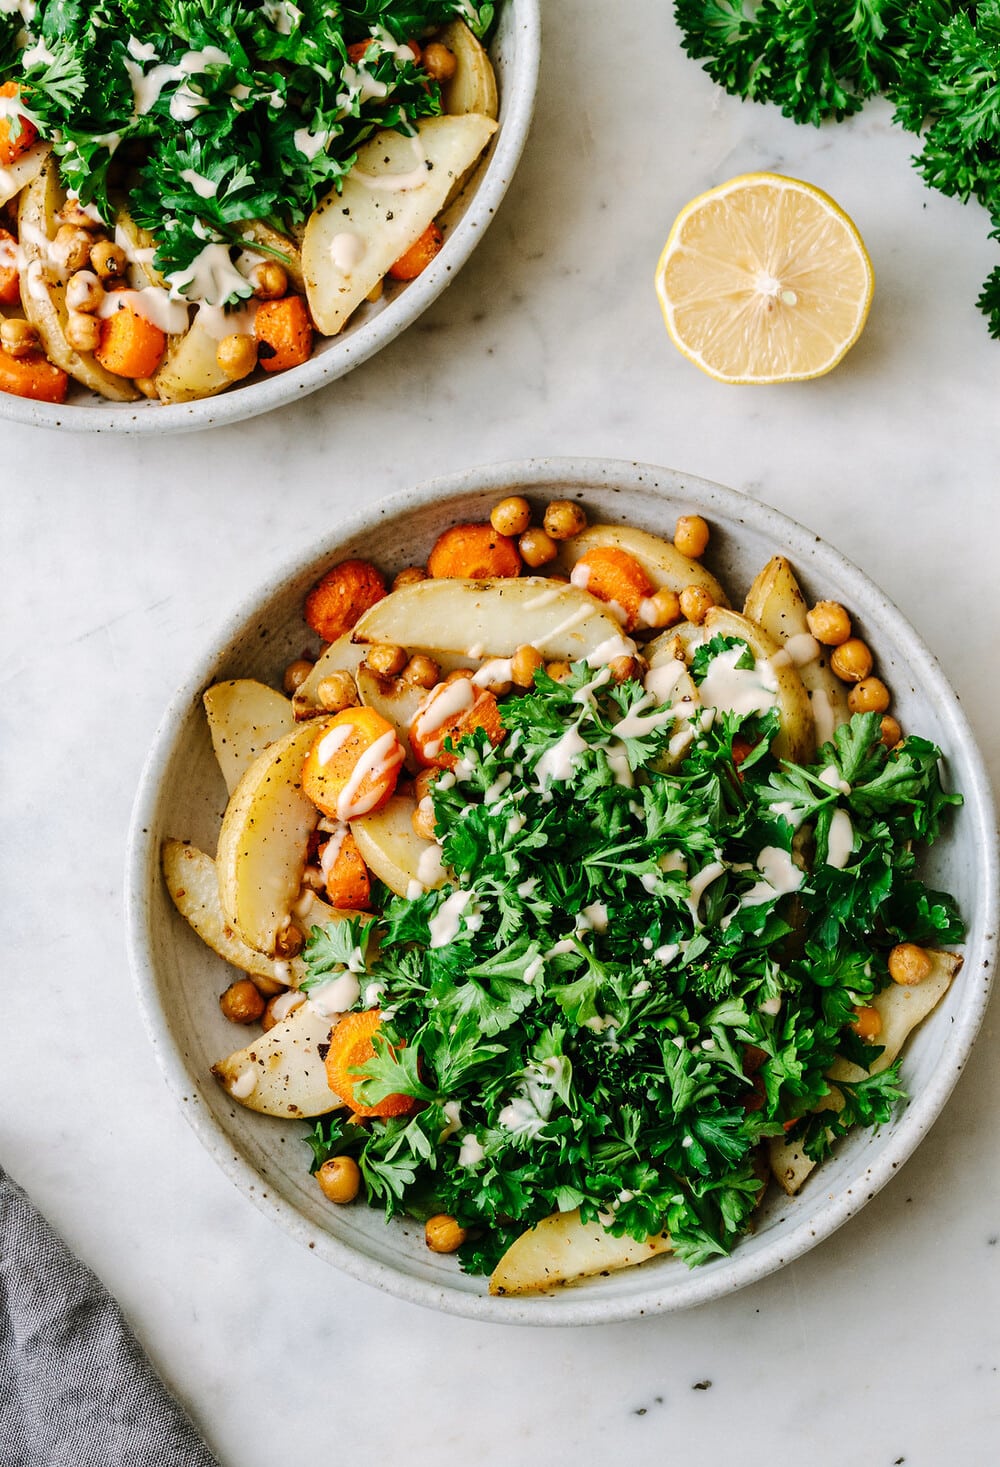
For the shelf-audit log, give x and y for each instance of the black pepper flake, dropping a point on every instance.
(702, 1385)
(322, 1050)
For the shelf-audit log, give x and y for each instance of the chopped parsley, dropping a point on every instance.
(936, 61)
(625, 1007)
(203, 115)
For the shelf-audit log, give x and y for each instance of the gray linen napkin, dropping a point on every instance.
(76, 1389)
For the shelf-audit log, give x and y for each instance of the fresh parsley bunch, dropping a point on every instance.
(608, 1007)
(207, 114)
(936, 60)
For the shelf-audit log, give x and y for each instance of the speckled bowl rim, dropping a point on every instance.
(821, 1217)
(356, 346)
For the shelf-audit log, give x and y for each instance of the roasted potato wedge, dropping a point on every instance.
(263, 841)
(17, 175)
(281, 1073)
(193, 883)
(473, 88)
(44, 298)
(244, 716)
(397, 701)
(561, 1248)
(397, 187)
(484, 619)
(901, 1009)
(392, 849)
(664, 565)
(190, 368)
(343, 655)
(275, 246)
(776, 603)
(797, 737)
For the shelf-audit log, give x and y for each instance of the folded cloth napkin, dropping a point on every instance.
(76, 1389)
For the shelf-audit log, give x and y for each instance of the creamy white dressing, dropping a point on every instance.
(310, 144)
(780, 876)
(662, 681)
(333, 848)
(533, 969)
(621, 770)
(699, 884)
(840, 841)
(332, 742)
(593, 918)
(205, 188)
(547, 597)
(471, 1152)
(584, 696)
(575, 619)
(498, 672)
(392, 183)
(667, 952)
(414, 889)
(152, 303)
(609, 650)
(497, 788)
(770, 1006)
(376, 763)
(211, 276)
(430, 866)
(831, 777)
(556, 764)
(336, 995)
(728, 688)
(823, 715)
(286, 1003)
(452, 1118)
(347, 250)
(447, 920)
(282, 15)
(446, 702)
(639, 721)
(244, 1085)
(217, 322)
(802, 648)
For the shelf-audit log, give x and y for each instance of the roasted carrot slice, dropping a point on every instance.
(347, 881)
(353, 765)
(419, 255)
(11, 148)
(345, 592)
(284, 333)
(130, 345)
(350, 1047)
(10, 278)
(614, 576)
(476, 552)
(32, 376)
(451, 711)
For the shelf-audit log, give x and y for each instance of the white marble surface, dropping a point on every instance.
(121, 557)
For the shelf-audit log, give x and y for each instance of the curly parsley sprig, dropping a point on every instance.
(582, 1034)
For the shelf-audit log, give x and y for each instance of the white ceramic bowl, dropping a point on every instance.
(514, 50)
(182, 795)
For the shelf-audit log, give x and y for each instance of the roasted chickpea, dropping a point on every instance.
(524, 664)
(108, 259)
(460, 675)
(236, 355)
(440, 64)
(289, 942)
(84, 292)
(339, 1179)
(623, 668)
(870, 695)
(695, 604)
(18, 338)
(424, 783)
(691, 536)
(423, 671)
(563, 519)
(511, 516)
(73, 212)
(423, 819)
(70, 249)
(851, 661)
(386, 659)
(269, 281)
(336, 692)
(295, 674)
(443, 1234)
(867, 1022)
(537, 548)
(242, 1003)
(909, 963)
(661, 609)
(558, 671)
(829, 623)
(83, 332)
(891, 731)
(411, 576)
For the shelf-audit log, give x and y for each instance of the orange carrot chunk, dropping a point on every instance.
(347, 881)
(12, 147)
(419, 255)
(130, 345)
(614, 576)
(352, 767)
(345, 592)
(32, 376)
(351, 1048)
(284, 332)
(475, 552)
(451, 711)
(10, 279)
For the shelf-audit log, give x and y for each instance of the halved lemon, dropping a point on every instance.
(764, 279)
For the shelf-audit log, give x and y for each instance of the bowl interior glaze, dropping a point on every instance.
(182, 795)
